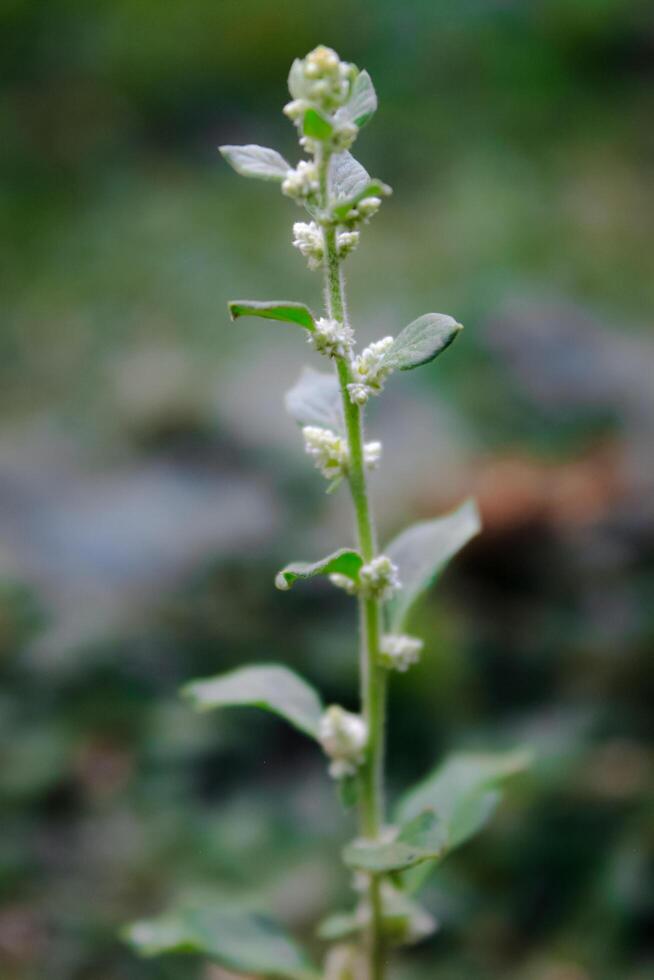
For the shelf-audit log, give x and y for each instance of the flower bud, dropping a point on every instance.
(331, 337)
(343, 736)
(301, 183)
(369, 371)
(308, 239)
(398, 651)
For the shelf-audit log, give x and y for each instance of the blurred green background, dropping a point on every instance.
(151, 484)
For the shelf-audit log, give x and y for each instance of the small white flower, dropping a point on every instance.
(372, 454)
(326, 79)
(328, 450)
(346, 242)
(343, 736)
(344, 136)
(295, 109)
(302, 182)
(308, 239)
(369, 371)
(369, 206)
(379, 579)
(331, 337)
(398, 651)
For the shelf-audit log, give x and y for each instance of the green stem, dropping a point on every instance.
(373, 677)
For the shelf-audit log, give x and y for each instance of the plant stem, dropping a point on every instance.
(373, 677)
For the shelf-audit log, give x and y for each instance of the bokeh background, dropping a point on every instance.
(150, 483)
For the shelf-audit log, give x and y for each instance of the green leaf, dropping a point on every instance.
(268, 686)
(422, 341)
(316, 126)
(256, 161)
(373, 188)
(288, 312)
(349, 789)
(462, 792)
(362, 104)
(346, 176)
(422, 551)
(234, 938)
(315, 399)
(346, 561)
(421, 839)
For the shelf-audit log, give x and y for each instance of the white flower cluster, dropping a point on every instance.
(343, 736)
(364, 210)
(379, 579)
(398, 651)
(308, 239)
(331, 454)
(301, 183)
(331, 337)
(321, 79)
(369, 371)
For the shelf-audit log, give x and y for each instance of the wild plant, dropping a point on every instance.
(389, 860)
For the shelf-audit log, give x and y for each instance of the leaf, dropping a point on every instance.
(422, 551)
(268, 686)
(346, 176)
(315, 399)
(296, 79)
(422, 341)
(234, 938)
(339, 925)
(462, 792)
(346, 561)
(421, 839)
(256, 161)
(362, 104)
(316, 126)
(373, 188)
(288, 312)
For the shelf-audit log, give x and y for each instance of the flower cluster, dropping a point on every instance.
(301, 183)
(320, 80)
(398, 651)
(343, 736)
(379, 579)
(369, 371)
(308, 239)
(331, 337)
(331, 454)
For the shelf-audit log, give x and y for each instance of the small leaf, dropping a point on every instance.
(234, 938)
(316, 126)
(344, 562)
(349, 788)
(421, 341)
(296, 81)
(346, 176)
(268, 686)
(373, 188)
(422, 839)
(288, 312)
(315, 399)
(362, 104)
(339, 925)
(462, 792)
(422, 551)
(256, 161)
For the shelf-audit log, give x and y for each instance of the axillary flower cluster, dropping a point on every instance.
(331, 100)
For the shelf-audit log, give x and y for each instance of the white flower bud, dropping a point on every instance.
(302, 182)
(343, 736)
(346, 242)
(344, 136)
(331, 337)
(295, 109)
(369, 206)
(398, 651)
(344, 962)
(329, 451)
(379, 579)
(369, 371)
(372, 454)
(326, 80)
(308, 239)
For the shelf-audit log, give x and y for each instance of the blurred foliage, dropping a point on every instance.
(150, 485)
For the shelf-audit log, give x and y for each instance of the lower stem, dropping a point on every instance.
(373, 677)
